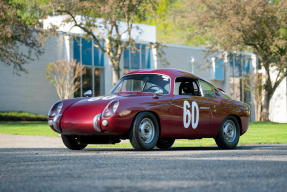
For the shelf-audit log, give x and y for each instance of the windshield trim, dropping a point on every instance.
(118, 83)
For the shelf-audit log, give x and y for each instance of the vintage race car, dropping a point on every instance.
(152, 108)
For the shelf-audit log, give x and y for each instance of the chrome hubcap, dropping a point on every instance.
(229, 131)
(146, 130)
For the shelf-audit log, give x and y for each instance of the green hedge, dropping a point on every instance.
(21, 116)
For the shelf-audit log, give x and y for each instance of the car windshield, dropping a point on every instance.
(153, 83)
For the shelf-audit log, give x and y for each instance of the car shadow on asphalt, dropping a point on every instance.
(63, 150)
(156, 149)
(211, 148)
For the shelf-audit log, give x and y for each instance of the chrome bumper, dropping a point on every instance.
(53, 123)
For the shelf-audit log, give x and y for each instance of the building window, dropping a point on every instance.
(77, 49)
(240, 65)
(139, 58)
(219, 69)
(86, 53)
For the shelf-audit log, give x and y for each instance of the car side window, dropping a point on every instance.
(207, 89)
(157, 84)
(196, 88)
(186, 86)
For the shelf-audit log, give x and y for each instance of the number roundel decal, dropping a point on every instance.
(190, 117)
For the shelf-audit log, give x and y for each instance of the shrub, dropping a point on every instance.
(21, 116)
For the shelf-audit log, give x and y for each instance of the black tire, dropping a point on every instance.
(165, 143)
(72, 142)
(229, 133)
(144, 132)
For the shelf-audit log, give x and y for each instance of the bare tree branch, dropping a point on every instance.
(65, 77)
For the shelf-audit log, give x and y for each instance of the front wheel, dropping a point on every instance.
(73, 142)
(228, 135)
(144, 133)
(165, 143)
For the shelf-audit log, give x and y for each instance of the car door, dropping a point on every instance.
(190, 112)
(210, 95)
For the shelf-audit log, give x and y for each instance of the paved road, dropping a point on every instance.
(248, 168)
(24, 141)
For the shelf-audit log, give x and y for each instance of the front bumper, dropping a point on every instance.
(54, 123)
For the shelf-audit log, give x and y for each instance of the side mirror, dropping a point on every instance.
(88, 93)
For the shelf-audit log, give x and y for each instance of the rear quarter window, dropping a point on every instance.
(207, 90)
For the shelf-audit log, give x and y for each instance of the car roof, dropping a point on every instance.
(173, 73)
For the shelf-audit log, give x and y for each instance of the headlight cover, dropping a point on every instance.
(111, 109)
(56, 109)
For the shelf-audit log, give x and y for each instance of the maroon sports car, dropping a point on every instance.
(152, 108)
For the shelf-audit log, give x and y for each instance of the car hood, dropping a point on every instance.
(97, 104)
(91, 104)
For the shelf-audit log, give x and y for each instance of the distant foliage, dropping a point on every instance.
(21, 116)
(172, 25)
(19, 42)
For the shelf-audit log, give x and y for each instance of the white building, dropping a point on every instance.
(278, 103)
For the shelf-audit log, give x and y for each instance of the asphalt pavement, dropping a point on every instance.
(247, 168)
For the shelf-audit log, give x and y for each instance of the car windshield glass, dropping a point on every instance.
(153, 83)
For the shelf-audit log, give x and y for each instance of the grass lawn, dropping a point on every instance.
(258, 133)
(27, 128)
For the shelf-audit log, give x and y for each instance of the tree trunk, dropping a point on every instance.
(116, 68)
(257, 102)
(265, 106)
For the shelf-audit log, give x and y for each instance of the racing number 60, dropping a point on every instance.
(190, 117)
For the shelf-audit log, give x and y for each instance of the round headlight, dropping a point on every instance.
(59, 108)
(56, 109)
(115, 106)
(110, 109)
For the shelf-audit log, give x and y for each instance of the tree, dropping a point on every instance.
(18, 30)
(64, 75)
(171, 24)
(259, 26)
(109, 23)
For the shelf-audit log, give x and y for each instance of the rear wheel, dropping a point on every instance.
(228, 135)
(144, 132)
(73, 142)
(165, 143)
